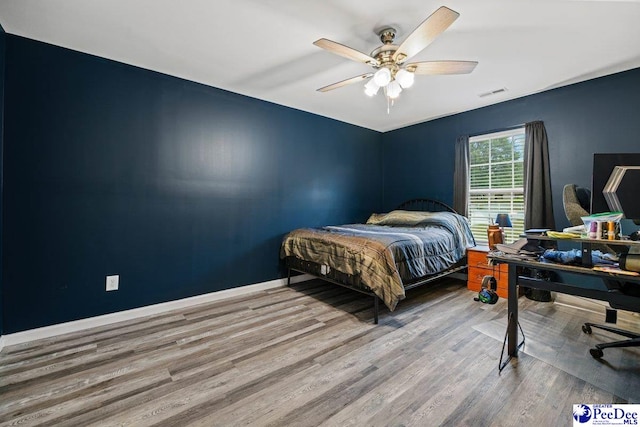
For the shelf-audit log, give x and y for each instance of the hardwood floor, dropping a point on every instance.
(310, 356)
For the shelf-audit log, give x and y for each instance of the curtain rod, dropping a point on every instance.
(498, 130)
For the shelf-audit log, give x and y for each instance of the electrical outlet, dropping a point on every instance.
(112, 282)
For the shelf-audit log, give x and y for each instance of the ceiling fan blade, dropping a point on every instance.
(426, 32)
(346, 51)
(442, 67)
(345, 82)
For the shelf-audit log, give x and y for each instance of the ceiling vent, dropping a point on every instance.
(493, 92)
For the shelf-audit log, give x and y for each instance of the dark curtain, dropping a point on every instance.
(538, 207)
(461, 176)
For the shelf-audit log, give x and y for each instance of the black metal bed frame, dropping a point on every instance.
(353, 281)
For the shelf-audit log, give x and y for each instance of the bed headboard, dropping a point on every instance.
(426, 205)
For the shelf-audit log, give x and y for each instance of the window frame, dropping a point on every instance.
(511, 234)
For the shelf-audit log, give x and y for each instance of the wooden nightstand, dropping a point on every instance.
(478, 267)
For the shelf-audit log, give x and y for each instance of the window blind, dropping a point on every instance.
(496, 182)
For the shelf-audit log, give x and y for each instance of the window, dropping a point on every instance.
(496, 182)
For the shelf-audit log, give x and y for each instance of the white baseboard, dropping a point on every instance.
(106, 319)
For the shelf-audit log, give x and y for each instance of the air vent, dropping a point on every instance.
(493, 92)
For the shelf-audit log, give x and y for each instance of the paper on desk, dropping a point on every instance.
(562, 235)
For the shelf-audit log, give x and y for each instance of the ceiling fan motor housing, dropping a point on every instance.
(384, 53)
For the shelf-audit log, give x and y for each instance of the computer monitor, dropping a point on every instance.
(604, 165)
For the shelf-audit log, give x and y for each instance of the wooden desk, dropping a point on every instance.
(613, 294)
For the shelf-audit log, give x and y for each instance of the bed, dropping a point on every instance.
(419, 242)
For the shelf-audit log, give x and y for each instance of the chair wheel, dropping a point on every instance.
(586, 329)
(596, 353)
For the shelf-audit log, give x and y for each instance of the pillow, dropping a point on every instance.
(375, 218)
(401, 218)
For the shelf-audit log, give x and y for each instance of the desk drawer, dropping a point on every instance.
(476, 274)
(477, 259)
(478, 268)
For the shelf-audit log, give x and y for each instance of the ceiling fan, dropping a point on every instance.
(392, 74)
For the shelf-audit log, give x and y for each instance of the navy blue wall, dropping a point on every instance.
(599, 115)
(184, 189)
(2, 61)
(180, 188)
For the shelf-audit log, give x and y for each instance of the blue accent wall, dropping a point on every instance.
(184, 189)
(180, 188)
(2, 62)
(596, 116)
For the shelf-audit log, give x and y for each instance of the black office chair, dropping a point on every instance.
(624, 296)
(576, 201)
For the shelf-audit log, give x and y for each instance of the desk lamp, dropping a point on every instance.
(503, 221)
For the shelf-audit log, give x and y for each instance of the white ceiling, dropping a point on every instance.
(263, 48)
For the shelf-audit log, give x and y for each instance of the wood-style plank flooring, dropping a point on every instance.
(309, 355)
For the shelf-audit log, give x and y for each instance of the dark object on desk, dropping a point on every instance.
(533, 232)
(635, 235)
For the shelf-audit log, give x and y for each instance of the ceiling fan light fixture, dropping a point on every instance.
(371, 88)
(382, 77)
(393, 89)
(405, 78)
(390, 72)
